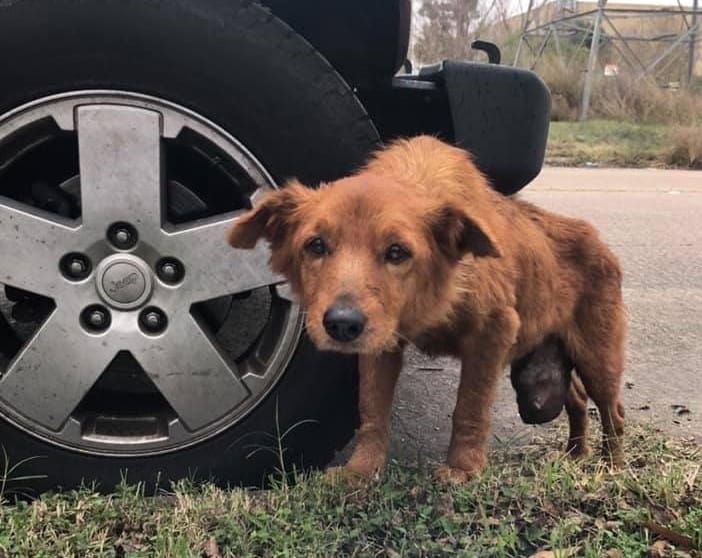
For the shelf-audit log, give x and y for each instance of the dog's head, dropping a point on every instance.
(371, 257)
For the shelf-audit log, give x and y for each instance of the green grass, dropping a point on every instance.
(609, 143)
(530, 499)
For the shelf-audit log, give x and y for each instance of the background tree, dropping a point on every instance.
(445, 28)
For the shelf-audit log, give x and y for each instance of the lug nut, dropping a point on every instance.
(75, 266)
(95, 318)
(153, 320)
(122, 236)
(170, 270)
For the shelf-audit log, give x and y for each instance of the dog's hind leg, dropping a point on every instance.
(597, 345)
(604, 391)
(578, 421)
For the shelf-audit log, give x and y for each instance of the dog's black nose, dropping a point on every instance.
(343, 323)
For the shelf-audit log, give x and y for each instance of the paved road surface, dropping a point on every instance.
(652, 219)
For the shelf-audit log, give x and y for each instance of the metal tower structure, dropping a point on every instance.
(600, 27)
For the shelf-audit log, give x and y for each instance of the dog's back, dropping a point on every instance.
(573, 240)
(447, 174)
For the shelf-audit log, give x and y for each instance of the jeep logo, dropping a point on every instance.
(125, 281)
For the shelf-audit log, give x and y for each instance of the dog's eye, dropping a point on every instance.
(396, 254)
(316, 246)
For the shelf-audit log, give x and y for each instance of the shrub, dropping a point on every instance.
(642, 100)
(565, 83)
(686, 146)
(621, 98)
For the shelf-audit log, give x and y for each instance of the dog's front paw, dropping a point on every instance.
(453, 475)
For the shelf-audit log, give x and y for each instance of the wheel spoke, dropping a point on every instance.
(49, 377)
(120, 165)
(31, 245)
(198, 381)
(213, 268)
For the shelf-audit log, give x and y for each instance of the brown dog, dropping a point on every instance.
(418, 248)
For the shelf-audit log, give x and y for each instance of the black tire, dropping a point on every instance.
(236, 64)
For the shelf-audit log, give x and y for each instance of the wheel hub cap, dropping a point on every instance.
(123, 281)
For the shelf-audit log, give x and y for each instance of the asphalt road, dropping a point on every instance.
(652, 219)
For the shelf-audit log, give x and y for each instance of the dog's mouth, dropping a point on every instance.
(365, 344)
(324, 342)
(352, 347)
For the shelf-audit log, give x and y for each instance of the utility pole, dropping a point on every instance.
(693, 40)
(592, 60)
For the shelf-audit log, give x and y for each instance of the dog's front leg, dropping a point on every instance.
(377, 375)
(481, 365)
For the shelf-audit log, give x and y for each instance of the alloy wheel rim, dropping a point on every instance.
(130, 268)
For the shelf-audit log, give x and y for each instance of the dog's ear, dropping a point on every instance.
(458, 234)
(271, 218)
